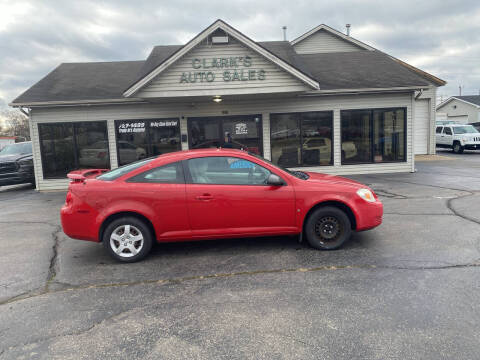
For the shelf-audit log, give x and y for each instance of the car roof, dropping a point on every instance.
(186, 154)
(454, 125)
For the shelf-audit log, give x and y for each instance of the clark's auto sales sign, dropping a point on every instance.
(228, 69)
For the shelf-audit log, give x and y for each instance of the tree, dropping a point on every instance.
(16, 124)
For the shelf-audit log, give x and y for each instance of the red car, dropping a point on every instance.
(208, 194)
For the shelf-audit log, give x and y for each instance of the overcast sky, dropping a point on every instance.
(441, 37)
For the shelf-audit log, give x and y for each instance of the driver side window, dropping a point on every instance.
(222, 170)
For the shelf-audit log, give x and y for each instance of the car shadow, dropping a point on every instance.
(245, 245)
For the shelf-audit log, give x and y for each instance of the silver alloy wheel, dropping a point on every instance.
(126, 241)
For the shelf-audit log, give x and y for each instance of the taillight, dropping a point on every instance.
(69, 198)
(101, 154)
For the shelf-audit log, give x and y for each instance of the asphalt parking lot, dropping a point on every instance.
(408, 289)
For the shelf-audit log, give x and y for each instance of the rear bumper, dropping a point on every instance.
(78, 225)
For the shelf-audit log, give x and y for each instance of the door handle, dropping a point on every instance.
(205, 197)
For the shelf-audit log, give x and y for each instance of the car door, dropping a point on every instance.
(227, 196)
(438, 134)
(447, 136)
(162, 190)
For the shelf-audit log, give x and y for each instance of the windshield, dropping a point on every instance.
(297, 174)
(467, 129)
(17, 149)
(122, 170)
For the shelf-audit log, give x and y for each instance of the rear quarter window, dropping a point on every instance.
(122, 170)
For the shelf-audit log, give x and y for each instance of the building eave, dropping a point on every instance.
(363, 91)
(455, 98)
(78, 102)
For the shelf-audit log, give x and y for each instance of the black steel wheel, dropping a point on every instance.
(457, 148)
(327, 228)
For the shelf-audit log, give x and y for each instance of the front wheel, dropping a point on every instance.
(328, 228)
(457, 148)
(127, 239)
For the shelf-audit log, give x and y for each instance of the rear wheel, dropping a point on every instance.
(328, 228)
(457, 148)
(127, 239)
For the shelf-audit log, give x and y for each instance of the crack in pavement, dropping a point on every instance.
(179, 280)
(52, 269)
(72, 333)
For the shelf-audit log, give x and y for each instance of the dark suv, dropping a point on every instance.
(16, 164)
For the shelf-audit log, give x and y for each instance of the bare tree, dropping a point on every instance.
(16, 124)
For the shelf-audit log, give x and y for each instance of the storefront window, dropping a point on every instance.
(237, 132)
(301, 139)
(138, 139)
(389, 135)
(69, 146)
(373, 135)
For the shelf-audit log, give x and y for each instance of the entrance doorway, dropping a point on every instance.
(237, 132)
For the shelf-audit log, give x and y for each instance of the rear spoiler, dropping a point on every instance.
(82, 175)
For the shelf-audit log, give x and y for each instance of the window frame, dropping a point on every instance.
(300, 121)
(372, 135)
(147, 134)
(445, 130)
(189, 179)
(179, 180)
(74, 138)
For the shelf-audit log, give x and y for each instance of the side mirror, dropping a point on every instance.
(274, 180)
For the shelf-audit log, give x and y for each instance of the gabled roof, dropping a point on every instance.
(219, 24)
(333, 32)
(473, 100)
(105, 82)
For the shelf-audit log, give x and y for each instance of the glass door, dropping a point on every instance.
(237, 132)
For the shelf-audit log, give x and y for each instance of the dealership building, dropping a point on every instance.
(323, 102)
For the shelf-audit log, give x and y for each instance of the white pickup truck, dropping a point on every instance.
(458, 137)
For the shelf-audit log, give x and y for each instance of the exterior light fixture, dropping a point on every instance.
(217, 98)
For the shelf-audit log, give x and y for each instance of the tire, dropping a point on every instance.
(457, 148)
(127, 247)
(321, 223)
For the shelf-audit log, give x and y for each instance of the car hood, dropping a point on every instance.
(470, 136)
(332, 179)
(14, 157)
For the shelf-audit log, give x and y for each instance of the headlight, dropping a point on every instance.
(366, 195)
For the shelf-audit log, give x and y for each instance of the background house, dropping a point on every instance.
(461, 109)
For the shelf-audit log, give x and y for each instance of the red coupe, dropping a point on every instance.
(208, 194)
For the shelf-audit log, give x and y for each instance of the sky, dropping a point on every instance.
(440, 37)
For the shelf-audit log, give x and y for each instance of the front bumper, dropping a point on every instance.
(369, 215)
(471, 146)
(18, 177)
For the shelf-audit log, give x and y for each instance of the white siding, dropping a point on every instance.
(226, 108)
(429, 95)
(168, 84)
(421, 126)
(324, 42)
